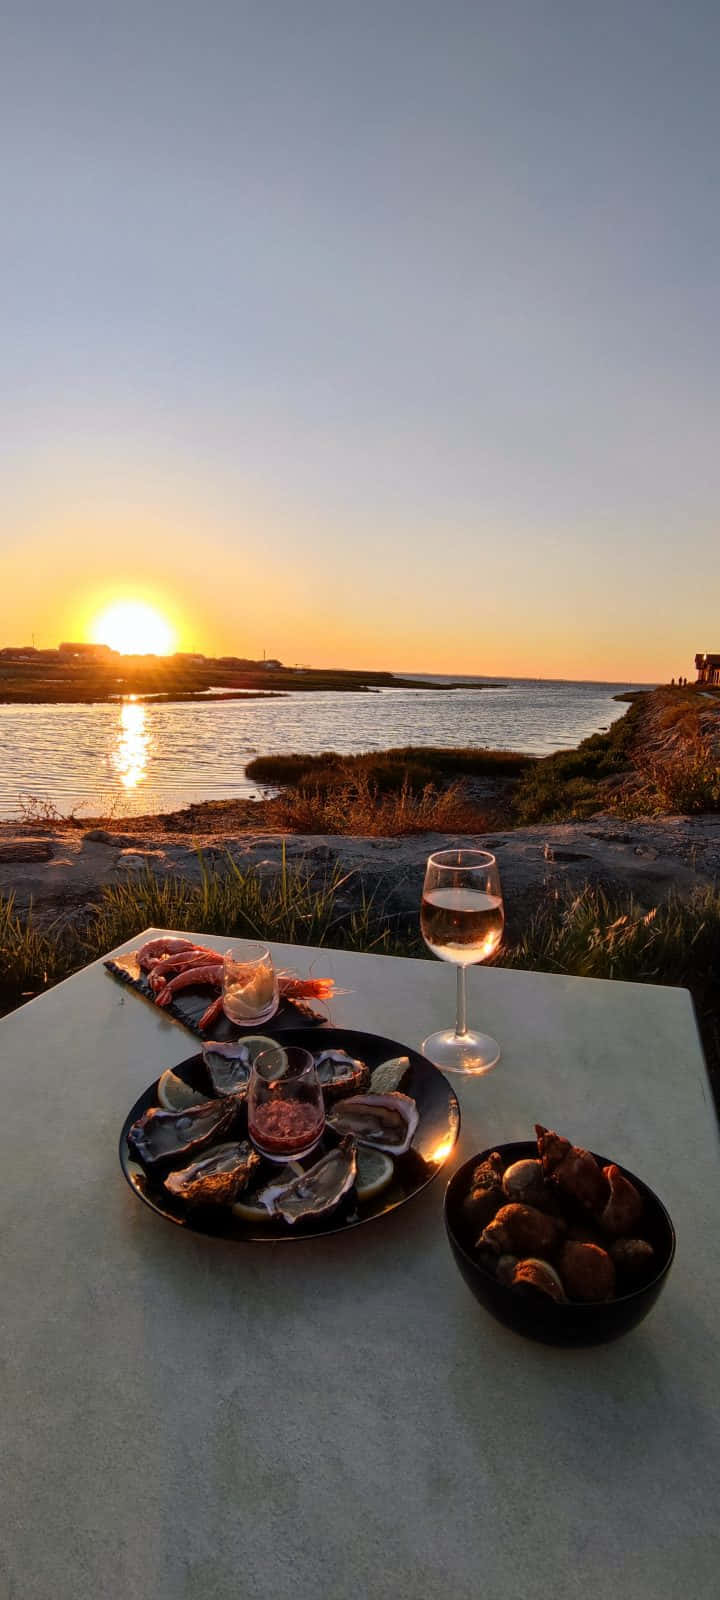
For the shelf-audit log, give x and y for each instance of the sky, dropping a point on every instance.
(375, 335)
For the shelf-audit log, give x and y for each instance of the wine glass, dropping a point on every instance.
(286, 1112)
(461, 920)
(250, 986)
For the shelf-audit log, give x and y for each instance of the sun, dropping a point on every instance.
(134, 629)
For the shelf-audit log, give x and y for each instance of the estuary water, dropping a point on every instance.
(133, 757)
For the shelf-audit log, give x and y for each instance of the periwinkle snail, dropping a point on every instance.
(524, 1182)
(558, 1224)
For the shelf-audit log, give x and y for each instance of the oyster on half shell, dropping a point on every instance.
(165, 1135)
(316, 1191)
(228, 1068)
(216, 1178)
(385, 1121)
(229, 1065)
(339, 1073)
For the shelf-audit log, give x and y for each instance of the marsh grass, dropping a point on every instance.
(30, 958)
(409, 766)
(288, 904)
(592, 934)
(589, 934)
(358, 806)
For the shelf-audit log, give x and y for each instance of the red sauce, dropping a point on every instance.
(283, 1126)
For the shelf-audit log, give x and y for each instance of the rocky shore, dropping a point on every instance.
(61, 870)
(669, 738)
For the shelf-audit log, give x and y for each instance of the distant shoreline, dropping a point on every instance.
(278, 686)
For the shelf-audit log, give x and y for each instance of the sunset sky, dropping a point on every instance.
(379, 334)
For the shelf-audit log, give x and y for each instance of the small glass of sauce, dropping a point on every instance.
(286, 1113)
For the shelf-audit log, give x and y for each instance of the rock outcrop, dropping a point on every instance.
(64, 869)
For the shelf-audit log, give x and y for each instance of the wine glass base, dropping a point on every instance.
(469, 1053)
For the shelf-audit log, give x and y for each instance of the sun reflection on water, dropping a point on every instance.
(130, 755)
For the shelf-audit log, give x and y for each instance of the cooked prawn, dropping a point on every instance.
(213, 1014)
(292, 988)
(155, 949)
(162, 970)
(211, 973)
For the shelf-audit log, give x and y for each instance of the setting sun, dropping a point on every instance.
(134, 629)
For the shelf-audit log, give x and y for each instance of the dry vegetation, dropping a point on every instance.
(356, 806)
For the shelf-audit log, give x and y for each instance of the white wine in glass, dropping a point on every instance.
(462, 919)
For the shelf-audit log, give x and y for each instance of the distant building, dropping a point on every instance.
(272, 666)
(88, 652)
(708, 668)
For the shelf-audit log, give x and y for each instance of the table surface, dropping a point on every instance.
(184, 1417)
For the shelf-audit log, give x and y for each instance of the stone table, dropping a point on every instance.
(184, 1417)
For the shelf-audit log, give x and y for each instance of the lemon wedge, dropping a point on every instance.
(374, 1171)
(255, 1043)
(174, 1095)
(248, 1207)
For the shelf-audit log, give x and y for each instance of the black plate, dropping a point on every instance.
(192, 1002)
(434, 1140)
(534, 1315)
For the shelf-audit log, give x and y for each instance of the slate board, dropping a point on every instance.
(188, 1006)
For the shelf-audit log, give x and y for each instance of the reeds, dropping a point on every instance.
(358, 807)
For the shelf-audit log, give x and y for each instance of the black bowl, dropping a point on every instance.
(534, 1314)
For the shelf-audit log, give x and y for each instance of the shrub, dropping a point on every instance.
(688, 781)
(565, 785)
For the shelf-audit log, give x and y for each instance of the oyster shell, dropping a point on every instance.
(386, 1121)
(217, 1178)
(340, 1073)
(317, 1191)
(228, 1067)
(164, 1135)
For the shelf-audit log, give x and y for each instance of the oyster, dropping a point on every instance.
(164, 1135)
(217, 1178)
(317, 1191)
(339, 1073)
(386, 1121)
(228, 1067)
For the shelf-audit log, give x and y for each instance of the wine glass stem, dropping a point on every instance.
(461, 1024)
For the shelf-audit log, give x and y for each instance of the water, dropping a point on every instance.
(129, 758)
